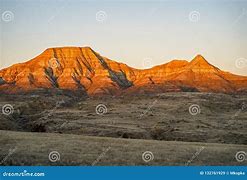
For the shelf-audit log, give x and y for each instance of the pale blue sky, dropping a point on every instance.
(132, 32)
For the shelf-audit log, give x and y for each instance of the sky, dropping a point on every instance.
(139, 33)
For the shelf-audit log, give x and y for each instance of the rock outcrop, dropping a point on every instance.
(82, 69)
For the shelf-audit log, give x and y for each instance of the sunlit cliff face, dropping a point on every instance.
(82, 69)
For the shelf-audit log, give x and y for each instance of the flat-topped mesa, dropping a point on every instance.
(74, 68)
(66, 50)
(83, 69)
(68, 55)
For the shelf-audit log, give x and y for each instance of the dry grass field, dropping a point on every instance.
(178, 128)
(34, 149)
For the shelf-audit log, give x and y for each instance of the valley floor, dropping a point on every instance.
(177, 128)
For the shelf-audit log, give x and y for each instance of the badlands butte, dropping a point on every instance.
(84, 70)
(52, 105)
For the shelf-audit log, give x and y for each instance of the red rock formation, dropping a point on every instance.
(82, 69)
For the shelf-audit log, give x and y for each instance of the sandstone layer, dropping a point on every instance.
(84, 70)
